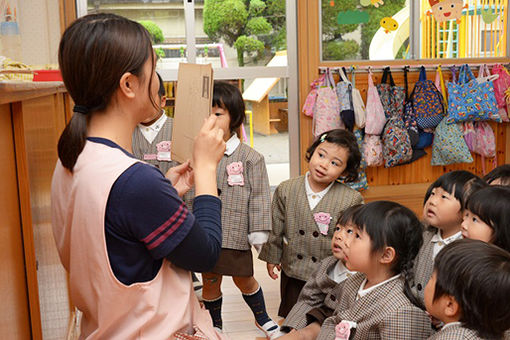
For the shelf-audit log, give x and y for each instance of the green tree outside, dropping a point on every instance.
(156, 34)
(250, 26)
(335, 46)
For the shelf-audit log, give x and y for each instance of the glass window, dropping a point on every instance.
(463, 29)
(244, 33)
(364, 29)
(164, 19)
(377, 30)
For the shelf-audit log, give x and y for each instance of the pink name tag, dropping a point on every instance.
(149, 157)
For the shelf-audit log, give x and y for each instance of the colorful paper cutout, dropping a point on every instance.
(446, 10)
(352, 17)
(389, 24)
(488, 16)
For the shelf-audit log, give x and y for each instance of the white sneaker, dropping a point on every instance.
(270, 329)
(218, 330)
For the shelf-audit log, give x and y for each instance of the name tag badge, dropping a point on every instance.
(149, 157)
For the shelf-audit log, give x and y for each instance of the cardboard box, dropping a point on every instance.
(193, 103)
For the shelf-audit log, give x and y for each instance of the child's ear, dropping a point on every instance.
(388, 255)
(451, 306)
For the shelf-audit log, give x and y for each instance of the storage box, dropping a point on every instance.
(193, 102)
(47, 75)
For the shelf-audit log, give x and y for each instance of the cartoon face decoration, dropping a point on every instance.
(445, 10)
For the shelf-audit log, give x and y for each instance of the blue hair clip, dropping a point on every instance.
(323, 137)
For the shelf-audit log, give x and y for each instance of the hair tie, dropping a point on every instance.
(81, 109)
(323, 137)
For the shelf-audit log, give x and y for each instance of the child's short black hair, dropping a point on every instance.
(345, 139)
(228, 97)
(460, 182)
(393, 225)
(502, 173)
(161, 91)
(477, 275)
(492, 206)
(347, 215)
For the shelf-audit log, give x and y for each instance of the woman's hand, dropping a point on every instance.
(209, 145)
(270, 270)
(181, 177)
(208, 149)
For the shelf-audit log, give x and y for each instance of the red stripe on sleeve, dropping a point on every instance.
(169, 232)
(162, 227)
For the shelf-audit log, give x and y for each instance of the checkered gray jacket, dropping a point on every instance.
(319, 290)
(424, 264)
(455, 332)
(141, 146)
(295, 240)
(384, 313)
(246, 208)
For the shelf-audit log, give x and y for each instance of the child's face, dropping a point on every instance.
(442, 210)
(222, 121)
(433, 307)
(327, 163)
(337, 242)
(474, 228)
(357, 249)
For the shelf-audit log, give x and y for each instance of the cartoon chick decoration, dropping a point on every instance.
(389, 24)
(445, 10)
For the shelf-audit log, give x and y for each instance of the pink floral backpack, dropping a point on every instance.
(326, 115)
(309, 104)
(501, 85)
(375, 117)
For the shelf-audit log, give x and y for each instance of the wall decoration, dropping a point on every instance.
(352, 17)
(488, 16)
(446, 10)
(376, 3)
(389, 24)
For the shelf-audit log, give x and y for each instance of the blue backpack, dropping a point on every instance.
(427, 102)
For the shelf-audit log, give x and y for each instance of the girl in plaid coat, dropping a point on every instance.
(243, 187)
(376, 303)
(303, 210)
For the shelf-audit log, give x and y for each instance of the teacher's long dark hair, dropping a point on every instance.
(94, 53)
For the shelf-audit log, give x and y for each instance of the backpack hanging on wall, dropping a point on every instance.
(357, 103)
(372, 150)
(392, 96)
(376, 118)
(396, 143)
(500, 86)
(309, 105)
(485, 76)
(326, 114)
(344, 94)
(449, 146)
(361, 183)
(470, 100)
(409, 117)
(427, 102)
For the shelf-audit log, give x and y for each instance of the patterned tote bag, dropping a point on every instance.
(375, 110)
(470, 100)
(449, 146)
